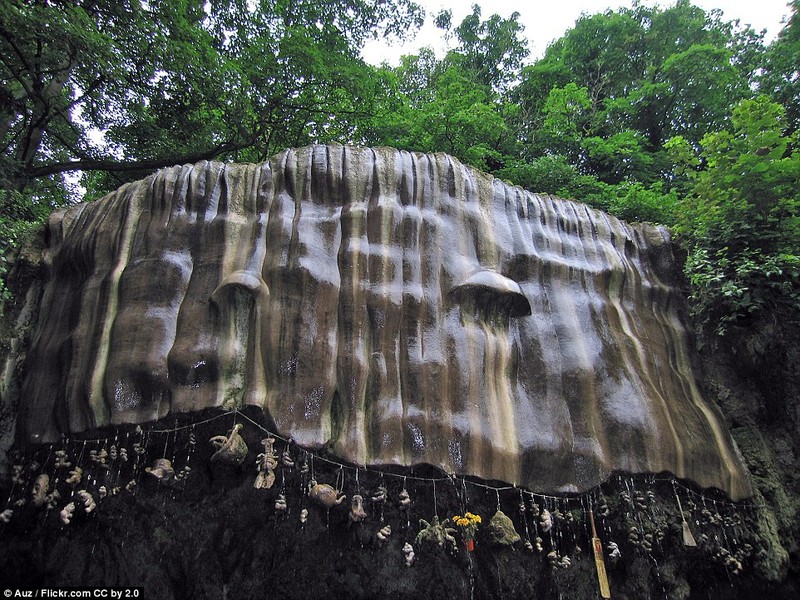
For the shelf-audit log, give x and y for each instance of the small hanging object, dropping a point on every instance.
(522, 508)
(232, 449)
(162, 470)
(123, 454)
(408, 550)
(286, 459)
(102, 492)
(537, 544)
(545, 521)
(88, 501)
(138, 448)
(357, 513)
(99, 458)
(324, 494)
(501, 530)
(602, 508)
(6, 515)
(303, 516)
(183, 474)
(435, 534)
(112, 452)
(468, 526)
(405, 500)
(379, 495)
(280, 504)
(40, 488)
(75, 476)
(67, 513)
(614, 553)
(688, 538)
(600, 566)
(384, 533)
(62, 460)
(535, 509)
(266, 463)
(17, 474)
(131, 486)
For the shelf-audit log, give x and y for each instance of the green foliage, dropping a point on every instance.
(741, 221)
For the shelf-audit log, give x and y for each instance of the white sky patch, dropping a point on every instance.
(546, 21)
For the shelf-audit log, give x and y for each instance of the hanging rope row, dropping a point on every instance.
(595, 492)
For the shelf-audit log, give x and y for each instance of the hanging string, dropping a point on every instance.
(238, 416)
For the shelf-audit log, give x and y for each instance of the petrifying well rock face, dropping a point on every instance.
(402, 307)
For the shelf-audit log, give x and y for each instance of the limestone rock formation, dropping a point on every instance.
(401, 307)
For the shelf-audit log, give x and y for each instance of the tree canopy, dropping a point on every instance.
(673, 115)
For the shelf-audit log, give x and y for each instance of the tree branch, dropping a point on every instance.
(141, 165)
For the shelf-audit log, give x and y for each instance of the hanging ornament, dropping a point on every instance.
(100, 458)
(162, 470)
(286, 459)
(62, 460)
(357, 513)
(40, 488)
(614, 553)
(324, 494)
(75, 476)
(266, 463)
(405, 500)
(6, 515)
(383, 535)
(501, 530)
(535, 509)
(379, 495)
(88, 501)
(602, 509)
(435, 534)
(303, 516)
(545, 521)
(67, 513)
(232, 449)
(112, 452)
(408, 551)
(280, 504)
(123, 454)
(600, 566)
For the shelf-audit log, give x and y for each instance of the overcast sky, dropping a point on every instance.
(547, 20)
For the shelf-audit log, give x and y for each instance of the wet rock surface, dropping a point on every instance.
(398, 308)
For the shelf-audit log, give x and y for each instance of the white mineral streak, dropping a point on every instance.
(403, 307)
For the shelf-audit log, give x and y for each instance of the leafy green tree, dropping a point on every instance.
(180, 80)
(741, 221)
(781, 75)
(644, 75)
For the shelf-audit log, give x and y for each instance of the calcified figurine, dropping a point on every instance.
(40, 488)
(266, 463)
(357, 509)
(384, 533)
(162, 470)
(408, 550)
(67, 513)
(405, 500)
(280, 504)
(75, 476)
(545, 521)
(88, 501)
(62, 460)
(232, 449)
(324, 494)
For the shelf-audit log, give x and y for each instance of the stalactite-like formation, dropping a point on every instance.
(401, 307)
